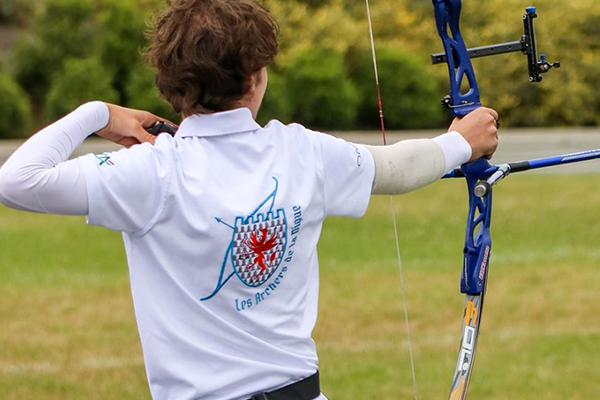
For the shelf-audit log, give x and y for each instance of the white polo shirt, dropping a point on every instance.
(221, 225)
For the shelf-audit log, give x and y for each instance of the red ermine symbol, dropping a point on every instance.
(259, 247)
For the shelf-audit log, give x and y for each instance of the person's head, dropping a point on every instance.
(211, 55)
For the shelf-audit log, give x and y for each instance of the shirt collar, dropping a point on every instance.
(218, 124)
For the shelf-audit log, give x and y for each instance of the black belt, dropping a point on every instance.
(306, 389)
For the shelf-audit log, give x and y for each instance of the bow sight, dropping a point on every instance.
(527, 45)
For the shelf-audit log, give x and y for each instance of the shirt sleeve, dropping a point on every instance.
(456, 149)
(38, 177)
(348, 172)
(127, 189)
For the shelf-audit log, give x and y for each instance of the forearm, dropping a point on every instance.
(411, 164)
(37, 177)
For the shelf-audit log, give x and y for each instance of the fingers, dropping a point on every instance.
(128, 142)
(126, 126)
(491, 111)
(492, 124)
(147, 119)
(174, 125)
(494, 114)
(480, 130)
(159, 125)
(131, 125)
(142, 135)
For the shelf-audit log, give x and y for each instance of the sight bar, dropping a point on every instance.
(484, 51)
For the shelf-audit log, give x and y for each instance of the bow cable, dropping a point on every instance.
(399, 258)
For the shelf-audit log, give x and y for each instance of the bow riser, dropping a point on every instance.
(478, 242)
(447, 16)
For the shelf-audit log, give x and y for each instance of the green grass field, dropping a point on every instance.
(67, 329)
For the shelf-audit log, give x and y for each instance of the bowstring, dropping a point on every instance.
(393, 208)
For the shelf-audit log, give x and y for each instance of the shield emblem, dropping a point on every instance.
(259, 244)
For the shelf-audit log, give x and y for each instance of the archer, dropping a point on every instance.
(163, 193)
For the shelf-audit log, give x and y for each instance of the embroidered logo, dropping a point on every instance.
(257, 247)
(104, 159)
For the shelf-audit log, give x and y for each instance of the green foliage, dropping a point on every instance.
(14, 12)
(80, 81)
(143, 94)
(408, 91)
(60, 32)
(314, 3)
(111, 31)
(7, 9)
(567, 31)
(15, 114)
(322, 94)
(277, 101)
(121, 40)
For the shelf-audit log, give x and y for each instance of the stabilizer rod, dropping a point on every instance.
(498, 172)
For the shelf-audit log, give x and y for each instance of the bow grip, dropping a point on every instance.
(447, 16)
(478, 242)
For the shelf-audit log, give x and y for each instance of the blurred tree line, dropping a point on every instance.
(72, 51)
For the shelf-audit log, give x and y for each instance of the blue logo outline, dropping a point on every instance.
(229, 254)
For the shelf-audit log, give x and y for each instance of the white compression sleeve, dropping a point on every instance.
(411, 164)
(38, 177)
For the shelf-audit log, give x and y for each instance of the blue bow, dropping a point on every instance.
(478, 243)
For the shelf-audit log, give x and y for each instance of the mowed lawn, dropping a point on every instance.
(67, 329)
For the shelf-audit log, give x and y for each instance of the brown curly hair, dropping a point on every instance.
(205, 52)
